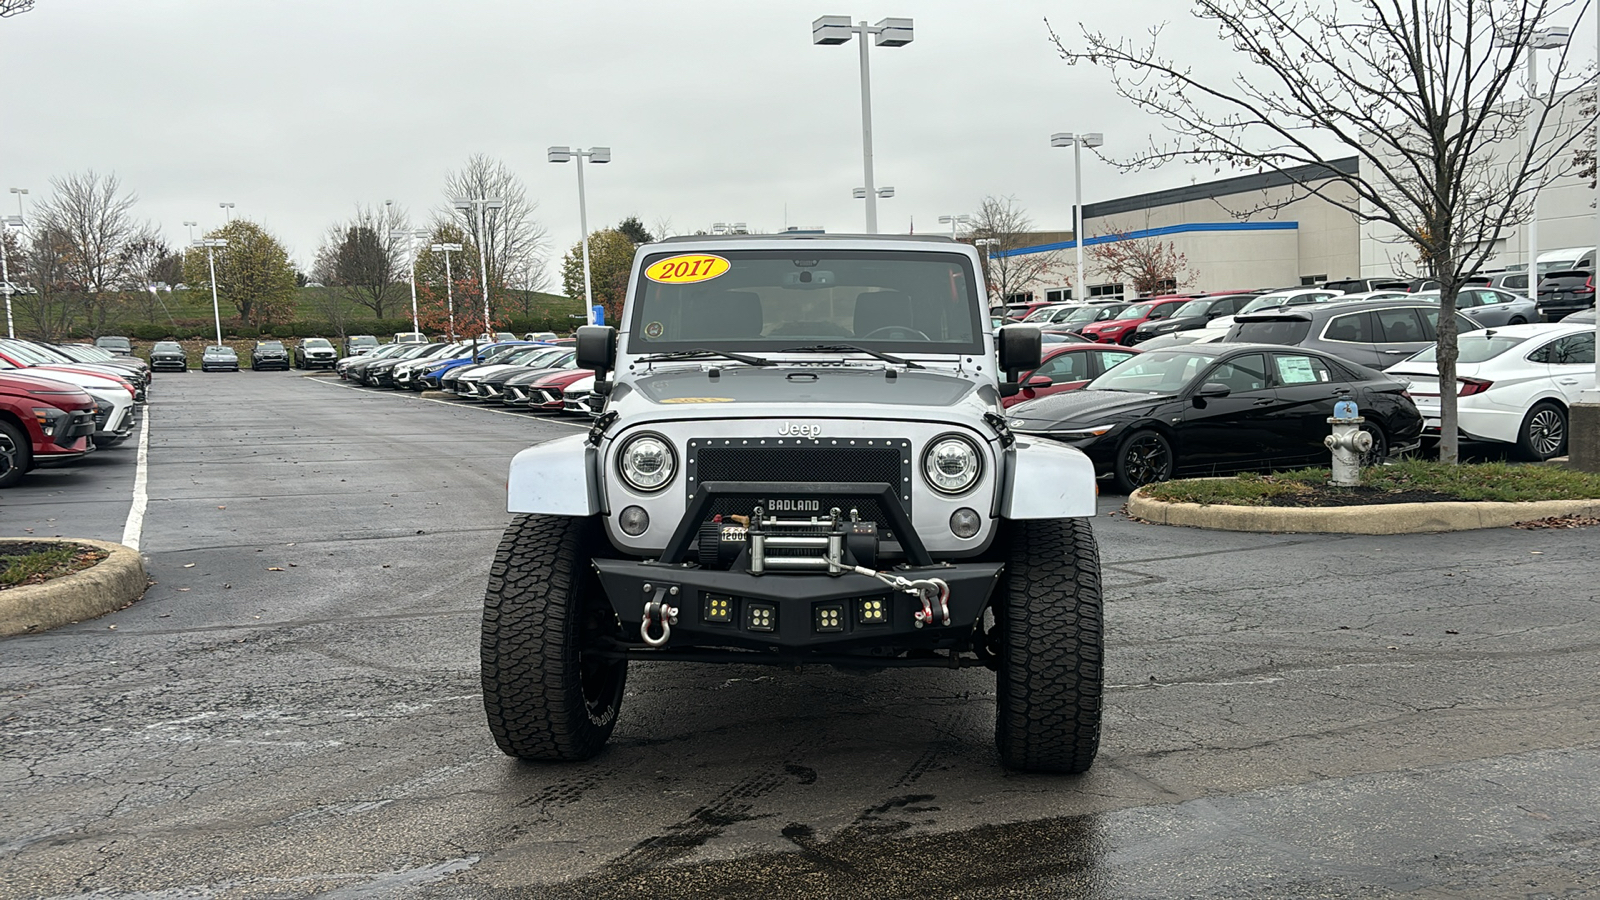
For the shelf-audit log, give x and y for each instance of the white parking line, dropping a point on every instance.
(135, 524)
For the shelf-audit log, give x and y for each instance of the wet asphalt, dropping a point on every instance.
(293, 710)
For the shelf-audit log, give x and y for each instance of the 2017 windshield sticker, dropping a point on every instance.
(697, 400)
(687, 269)
(654, 330)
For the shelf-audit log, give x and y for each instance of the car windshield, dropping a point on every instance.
(1474, 347)
(1042, 314)
(895, 301)
(1136, 312)
(226, 351)
(1098, 313)
(270, 345)
(120, 343)
(1155, 372)
(1268, 302)
(32, 355)
(315, 343)
(166, 347)
(1194, 308)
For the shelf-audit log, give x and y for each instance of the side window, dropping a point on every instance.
(1469, 299)
(1544, 354)
(1356, 329)
(1300, 369)
(1399, 326)
(1574, 349)
(1242, 373)
(1490, 298)
(1064, 367)
(1163, 311)
(1109, 358)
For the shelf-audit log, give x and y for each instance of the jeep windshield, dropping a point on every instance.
(772, 301)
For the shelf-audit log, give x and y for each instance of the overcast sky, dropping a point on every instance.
(296, 110)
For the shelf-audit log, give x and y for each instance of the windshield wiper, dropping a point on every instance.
(702, 353)
(852, 348)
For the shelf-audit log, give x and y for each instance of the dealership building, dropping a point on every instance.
(1280, 229)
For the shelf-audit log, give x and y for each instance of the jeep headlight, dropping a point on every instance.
(952, 464)
(647, 462)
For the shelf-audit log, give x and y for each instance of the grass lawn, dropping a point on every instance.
(1401, 482)
(31, 563)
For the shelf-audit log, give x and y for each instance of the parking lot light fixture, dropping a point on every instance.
(212, 245)
(1077, 142)
(6, 224)
(227, 211)
(190, 225)
(482, 205)
(830, 30)
(595, 155)
(955, 222)
(20, 192)
(411, 238)
(449, 288)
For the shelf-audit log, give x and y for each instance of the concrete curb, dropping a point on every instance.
(1377, 518)
(436, 395)
(110, 584)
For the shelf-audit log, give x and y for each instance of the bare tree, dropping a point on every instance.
(14, 7)
(1417, 89)
(90, 218)
(1002, 221)
(512, 240)
(362, 260)
(1151, 265)
(55, 301)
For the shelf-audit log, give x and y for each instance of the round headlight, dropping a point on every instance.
(647, 462)
(952, 464)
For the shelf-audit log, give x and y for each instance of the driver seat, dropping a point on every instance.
(881, 309)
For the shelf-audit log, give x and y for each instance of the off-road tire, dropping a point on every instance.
(1052, 647)
(544, 604)
(18, 454)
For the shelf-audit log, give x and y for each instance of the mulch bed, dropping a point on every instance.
(1573, 521)
(1323, 495)
(82, 559)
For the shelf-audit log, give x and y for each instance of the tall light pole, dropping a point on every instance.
(6, 223)
(20, 192)
(987, 245)
(596, 155)
(227, 211)
(411, 247)
(190, 225)
(1077, 143)
(1543, 39)
(449, 287)
(955, 222)
(1584, 440)
(212, 244)
(887, 33)
(482, 205)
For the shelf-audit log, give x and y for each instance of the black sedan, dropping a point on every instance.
(1216, 409)
(269, 355)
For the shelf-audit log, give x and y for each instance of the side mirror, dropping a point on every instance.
(1212, 389)
(1020, 348)
(597, 348)
(1039, 381)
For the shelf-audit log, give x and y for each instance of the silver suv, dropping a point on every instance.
(802, 460)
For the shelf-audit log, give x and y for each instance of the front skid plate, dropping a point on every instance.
(799, 606)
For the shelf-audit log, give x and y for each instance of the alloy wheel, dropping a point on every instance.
(1147, 459)
(8, 454)
(1546, 432)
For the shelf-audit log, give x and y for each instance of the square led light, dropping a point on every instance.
(718, 609)
(874, 611)
(760, 617)
(830, 617)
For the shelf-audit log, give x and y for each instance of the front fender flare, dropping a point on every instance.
(556, 478)
(1047, 480)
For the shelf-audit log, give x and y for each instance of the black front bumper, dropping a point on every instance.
(803, 614)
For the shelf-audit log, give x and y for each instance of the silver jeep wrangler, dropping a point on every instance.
(802, 460)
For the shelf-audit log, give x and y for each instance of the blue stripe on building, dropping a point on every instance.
(1153, 232)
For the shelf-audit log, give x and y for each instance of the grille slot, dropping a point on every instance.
(885, 461)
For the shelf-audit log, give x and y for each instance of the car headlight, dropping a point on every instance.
(647, 462)
(1080, 434)
(952, 464)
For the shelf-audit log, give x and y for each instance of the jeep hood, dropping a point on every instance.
(822, 385)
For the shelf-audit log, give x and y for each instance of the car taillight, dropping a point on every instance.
(1588, 286)
(1470, 386)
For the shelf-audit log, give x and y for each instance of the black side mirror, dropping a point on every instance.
(597, 350)
(1020, 348)
(1212, 389)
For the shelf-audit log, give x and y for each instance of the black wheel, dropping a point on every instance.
(16, 454)
(1543, 433)
(1380, 445)
(1517, 320)
(1052, 648)
(546, 693)
(1145, 457)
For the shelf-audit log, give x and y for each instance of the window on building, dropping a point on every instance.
(1059, 295)
(1019, 298)
(1109, 291)
(1312, 280)
(1165, 286)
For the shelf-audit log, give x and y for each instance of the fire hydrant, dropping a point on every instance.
(1348, 442)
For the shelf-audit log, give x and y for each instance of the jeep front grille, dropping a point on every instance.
(879, 460)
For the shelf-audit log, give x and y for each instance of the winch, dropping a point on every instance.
(834, 544)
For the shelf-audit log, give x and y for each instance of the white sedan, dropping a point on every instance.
(1514, 385)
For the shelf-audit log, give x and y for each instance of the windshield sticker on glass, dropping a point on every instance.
(688, 269)
(698, 400)
(654, 330)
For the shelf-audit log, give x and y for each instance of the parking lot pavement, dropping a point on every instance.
(294, 710)
(86, 499)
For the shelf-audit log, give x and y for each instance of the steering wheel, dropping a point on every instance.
(901, 333)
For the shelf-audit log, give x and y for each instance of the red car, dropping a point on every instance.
(1120, 330)
(42, 421)
(1067, 367)
(545, 394)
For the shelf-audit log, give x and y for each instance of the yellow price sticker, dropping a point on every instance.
(687, 269)
(698, 400)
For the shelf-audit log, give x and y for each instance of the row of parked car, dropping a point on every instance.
(1284, 358)
(541, 376)
(60, 402)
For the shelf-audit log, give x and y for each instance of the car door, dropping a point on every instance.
(1105, 359)
(1400, 332)
(1351, 336)
(1063, 371)
(1488, 308)
(1571, 362)
(1307, 388)
(1227, 434)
